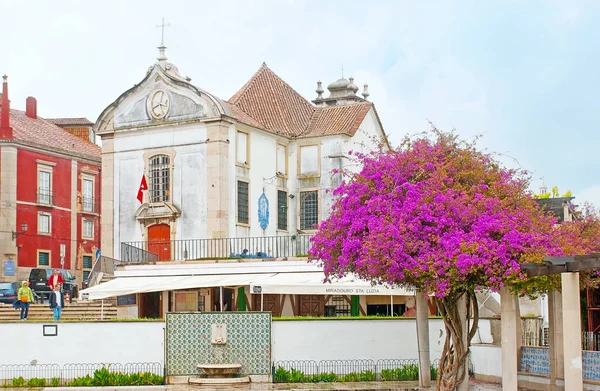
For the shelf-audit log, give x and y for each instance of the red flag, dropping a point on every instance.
(143, 186)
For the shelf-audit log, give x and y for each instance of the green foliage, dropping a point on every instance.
(407, 372)
(102, 378)
(433, 372)
(283, 375)
(85, 381)
(36, 382)
(19, 382)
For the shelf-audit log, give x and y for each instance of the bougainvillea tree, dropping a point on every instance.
(440, 216)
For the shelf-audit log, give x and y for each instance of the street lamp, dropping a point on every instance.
(17, 234)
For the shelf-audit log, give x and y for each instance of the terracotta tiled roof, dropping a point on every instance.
(343, 119)
(70, 121)
(42, 133)
(243, 117)
(273, 103)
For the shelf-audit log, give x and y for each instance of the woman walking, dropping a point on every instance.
(25, 296)
(57, 301)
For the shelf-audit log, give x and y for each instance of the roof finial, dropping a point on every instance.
(342, 71)
(319, 90)
(162, 47)
(365, 92)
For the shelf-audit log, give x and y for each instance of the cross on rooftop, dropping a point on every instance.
(162, 33)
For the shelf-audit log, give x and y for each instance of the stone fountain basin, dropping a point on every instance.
(220, 370)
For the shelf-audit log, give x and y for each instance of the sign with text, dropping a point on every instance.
(9, 268)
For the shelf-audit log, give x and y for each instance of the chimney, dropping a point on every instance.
(31, 107)
(5, 129)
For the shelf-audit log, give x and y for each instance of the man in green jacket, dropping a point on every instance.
(25, 296)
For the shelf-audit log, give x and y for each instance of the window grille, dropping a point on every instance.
(282, 207)
(309, 209)
(159, 178)
(342, 308)
(242, 202)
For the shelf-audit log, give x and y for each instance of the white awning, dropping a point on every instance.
(273, 277)
(141, 284)
(312, 284)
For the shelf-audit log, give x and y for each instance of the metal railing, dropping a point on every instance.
(235, 248)
(89, 205)
(534, 339)
(590, 341)
(132, 254)
(309, 371)
(77, 374)
(105, 265)
(45, 197)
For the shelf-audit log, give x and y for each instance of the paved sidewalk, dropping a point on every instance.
(359, 386)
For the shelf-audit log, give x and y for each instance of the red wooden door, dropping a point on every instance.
(159, 241)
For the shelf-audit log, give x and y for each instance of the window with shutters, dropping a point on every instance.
(43, 258)
(243, 202)
(87, 266)
(282, 210)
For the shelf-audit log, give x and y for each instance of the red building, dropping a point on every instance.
(49, 193)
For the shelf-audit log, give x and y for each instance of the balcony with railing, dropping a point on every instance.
(45, 197)
(262, 247)
(89, 205)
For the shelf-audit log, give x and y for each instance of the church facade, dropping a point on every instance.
(257, 165)
(190, 178)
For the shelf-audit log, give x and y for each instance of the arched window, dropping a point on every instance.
(159, 178)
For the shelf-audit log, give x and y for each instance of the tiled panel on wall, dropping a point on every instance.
(591, 365)
(535, 360)
(188, 342)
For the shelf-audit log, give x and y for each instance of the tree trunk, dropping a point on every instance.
(452, 370)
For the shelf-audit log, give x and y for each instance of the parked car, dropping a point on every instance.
(8, 291)
(38, 282)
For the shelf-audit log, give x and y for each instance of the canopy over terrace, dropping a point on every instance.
(283, 277)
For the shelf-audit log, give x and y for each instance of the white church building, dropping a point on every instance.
(210, 203)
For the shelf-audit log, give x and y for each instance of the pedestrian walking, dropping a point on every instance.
(55, 279)
(25, 296)
(57, 301)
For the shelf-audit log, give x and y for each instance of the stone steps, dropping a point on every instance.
(72, 311)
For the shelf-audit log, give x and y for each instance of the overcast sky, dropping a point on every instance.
(524, 74)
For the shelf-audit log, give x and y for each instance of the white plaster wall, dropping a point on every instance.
(352, 339)
(188, 178)
(189, 191)
(484, 332)
(102, 342)
(487, 360)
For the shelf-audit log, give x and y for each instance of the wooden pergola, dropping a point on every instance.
(564, 320)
